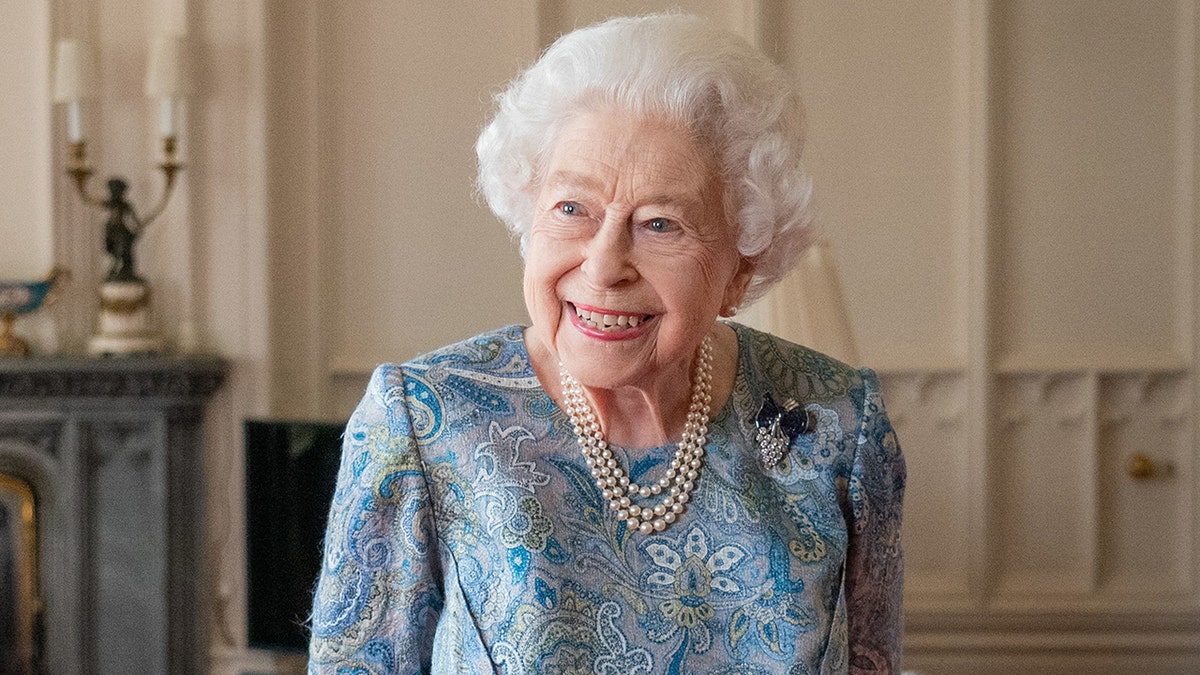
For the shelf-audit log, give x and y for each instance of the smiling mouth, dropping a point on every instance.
(609, 321)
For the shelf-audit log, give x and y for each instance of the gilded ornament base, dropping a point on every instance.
(10, 344)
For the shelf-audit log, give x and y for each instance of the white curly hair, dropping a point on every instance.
(677, 67)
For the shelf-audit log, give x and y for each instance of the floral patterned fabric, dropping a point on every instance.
(466, 534)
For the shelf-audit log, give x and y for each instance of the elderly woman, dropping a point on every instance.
(628, 484)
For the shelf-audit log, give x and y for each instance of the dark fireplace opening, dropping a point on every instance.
(291, 471)
(20, 595)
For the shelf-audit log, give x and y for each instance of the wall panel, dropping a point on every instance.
(25, 187)
(885, 90)
(1042, 472)
(1145, 542)
(404, 94)
(930, 415)
(1087, 192)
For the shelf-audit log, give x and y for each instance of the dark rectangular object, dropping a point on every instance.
(291, 471)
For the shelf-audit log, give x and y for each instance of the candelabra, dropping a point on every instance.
(125, 325)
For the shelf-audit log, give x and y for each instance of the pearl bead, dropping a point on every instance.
(612, 481)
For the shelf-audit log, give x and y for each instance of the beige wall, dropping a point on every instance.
(1009, 189)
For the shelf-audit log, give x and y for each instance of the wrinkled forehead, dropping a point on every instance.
(592, 150)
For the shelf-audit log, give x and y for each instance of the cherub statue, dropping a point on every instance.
(120, 233)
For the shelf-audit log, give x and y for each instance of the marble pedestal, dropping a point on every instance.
(125, 326)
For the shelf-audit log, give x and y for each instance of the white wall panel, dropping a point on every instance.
(929, 412)
(885, 86)
(414, 262)
(1146, 544)
(26, 247)
(1087, 197)
(560, 16)
(1043, 534)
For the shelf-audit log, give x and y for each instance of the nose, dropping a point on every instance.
(608, 256)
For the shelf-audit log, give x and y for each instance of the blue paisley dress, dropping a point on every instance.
(466, 534)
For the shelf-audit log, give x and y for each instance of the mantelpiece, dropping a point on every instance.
(112, 450)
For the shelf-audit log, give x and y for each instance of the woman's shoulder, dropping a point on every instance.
(490, 360)
(786, 366)
(501, 350)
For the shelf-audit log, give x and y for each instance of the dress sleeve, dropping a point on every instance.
(379, 594)
(875, 561)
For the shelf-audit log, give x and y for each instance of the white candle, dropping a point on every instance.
(74, 122)
(70, 78)
(71, 84)
(166, 117)
(164, 79)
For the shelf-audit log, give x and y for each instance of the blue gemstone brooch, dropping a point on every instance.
(778, 426)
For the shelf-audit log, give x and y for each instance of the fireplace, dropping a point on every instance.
(100, 462)
(20, 599)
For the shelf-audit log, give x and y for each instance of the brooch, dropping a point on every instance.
(778, 426)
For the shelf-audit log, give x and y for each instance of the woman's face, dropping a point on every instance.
(630, 258)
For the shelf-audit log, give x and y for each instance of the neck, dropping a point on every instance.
(651, 413)
(649, 416)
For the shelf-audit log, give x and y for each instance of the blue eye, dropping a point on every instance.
(569, 208)
(660, 225)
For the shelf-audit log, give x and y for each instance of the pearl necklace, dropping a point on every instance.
(612, 480)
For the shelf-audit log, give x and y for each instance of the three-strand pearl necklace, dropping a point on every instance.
(613, 481)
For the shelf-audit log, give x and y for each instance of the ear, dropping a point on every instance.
(736, 290)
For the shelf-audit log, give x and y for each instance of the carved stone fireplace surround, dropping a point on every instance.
(113, 452)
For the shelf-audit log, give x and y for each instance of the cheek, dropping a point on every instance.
(543, 268)
(717, 270)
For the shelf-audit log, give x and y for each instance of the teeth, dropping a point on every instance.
(608, 322)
